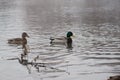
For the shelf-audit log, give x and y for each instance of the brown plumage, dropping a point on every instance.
(117, 77)
(22, 40)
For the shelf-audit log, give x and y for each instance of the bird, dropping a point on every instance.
(19, 41)
(63, 40)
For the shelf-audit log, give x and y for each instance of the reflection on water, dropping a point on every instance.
(96, 51)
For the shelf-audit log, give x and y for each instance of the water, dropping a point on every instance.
(96, 51)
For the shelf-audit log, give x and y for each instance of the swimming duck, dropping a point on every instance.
(63, 40)
(22, 40)
(117, 77)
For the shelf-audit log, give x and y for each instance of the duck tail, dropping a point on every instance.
(10, 41)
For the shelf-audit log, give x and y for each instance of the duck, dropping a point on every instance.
(116, 77)
(63, 40)
(19, 41)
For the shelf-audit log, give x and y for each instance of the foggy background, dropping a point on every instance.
(59, 12)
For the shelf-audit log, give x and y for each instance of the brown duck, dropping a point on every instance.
(22, 40)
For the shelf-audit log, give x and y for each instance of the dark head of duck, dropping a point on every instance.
(24, 34)
(69, 39)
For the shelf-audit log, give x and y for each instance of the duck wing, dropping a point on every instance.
(15, 41)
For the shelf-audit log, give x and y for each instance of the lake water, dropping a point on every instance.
(96, 45)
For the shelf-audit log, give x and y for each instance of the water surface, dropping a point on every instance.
(96, 51)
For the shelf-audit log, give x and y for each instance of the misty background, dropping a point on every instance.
(59, 12)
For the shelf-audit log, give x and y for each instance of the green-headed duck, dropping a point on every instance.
(63, 40)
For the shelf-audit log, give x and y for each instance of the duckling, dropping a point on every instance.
(63, 40)
(22, 40)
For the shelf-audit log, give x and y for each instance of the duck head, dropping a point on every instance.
(24, 34)
(69, 34)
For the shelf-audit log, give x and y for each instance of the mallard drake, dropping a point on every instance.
(22, 40)
(63, 40)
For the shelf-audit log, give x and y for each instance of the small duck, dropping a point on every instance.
(63, 40)
(22, 40)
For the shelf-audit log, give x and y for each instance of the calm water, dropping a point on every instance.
(96, 52)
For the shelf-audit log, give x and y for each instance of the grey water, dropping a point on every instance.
(96, 45)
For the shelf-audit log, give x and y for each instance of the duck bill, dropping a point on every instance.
(73, 36)
(27, 36)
